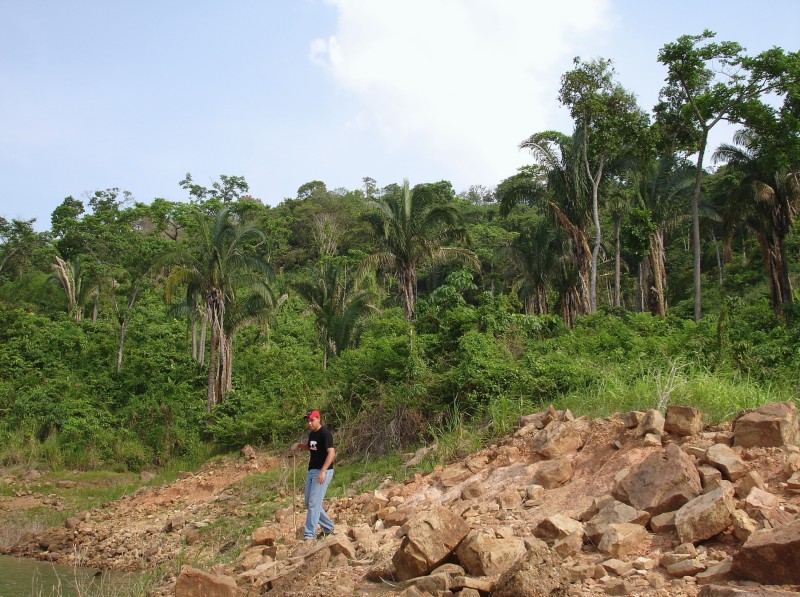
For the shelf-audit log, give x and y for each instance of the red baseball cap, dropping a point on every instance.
(312, 414)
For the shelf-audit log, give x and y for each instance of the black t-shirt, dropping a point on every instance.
(318, 443)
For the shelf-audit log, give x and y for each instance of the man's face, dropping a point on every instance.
(313, 423)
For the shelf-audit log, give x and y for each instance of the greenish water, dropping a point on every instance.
(31, 578)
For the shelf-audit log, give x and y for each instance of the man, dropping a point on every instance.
(320, 473)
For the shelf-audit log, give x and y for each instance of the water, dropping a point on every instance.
(31, 578)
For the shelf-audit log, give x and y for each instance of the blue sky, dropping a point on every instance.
(99, 94)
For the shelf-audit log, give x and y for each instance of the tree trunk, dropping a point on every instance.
(617, 298)
(407, 282)
(123, 327)
(194, 336)
(657, 263)
(698, 292)
(582, 259)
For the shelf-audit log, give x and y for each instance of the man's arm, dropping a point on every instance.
(300, 446)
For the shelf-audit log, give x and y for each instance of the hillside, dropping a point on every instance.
(530, 515)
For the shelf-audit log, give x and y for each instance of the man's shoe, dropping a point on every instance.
(323, 534)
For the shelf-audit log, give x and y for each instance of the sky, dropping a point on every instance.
(134, 95)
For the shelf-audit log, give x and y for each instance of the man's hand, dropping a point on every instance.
(321, 477)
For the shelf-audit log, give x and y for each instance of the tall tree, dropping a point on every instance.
(412, 229)
(21, 248)
(662, 186)
(532, 258)
(768, 199)
(338, 301)
(558, 180)
(218, 267)
(708, 82)
(608, 123)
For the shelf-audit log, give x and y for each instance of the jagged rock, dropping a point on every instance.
(472, 490)
(196, 583)
(556, 527)
(727, 461)
(534, 492)
(509, 500)
(652, 422)
(622, 539)
(773, 424)
(377, 501)
(554, 473)
(748, 482)
(687, 567)
(760, 505)
(613, 512)
(559, 439)
(176, 523)
(631, 419)
(792, 464)
(483, 554)
(743, 525)
(429, 538)
(652, 440)
(569, 545)
(709, 476)
(453, 475)
(617, 567)
(662, 482)
(706, 515)
(683, 421)
(263, 536)
(341, 545)
(430, 584)
(476, 462)
(717, 573)
(538, 574)
(506, 456)
(770, 556)
(248, 452)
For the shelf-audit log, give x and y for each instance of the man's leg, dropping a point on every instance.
(315, 492)
(325, 522)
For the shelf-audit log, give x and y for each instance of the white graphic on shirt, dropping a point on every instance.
(312, 445)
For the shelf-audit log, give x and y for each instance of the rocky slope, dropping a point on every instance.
(636, 504)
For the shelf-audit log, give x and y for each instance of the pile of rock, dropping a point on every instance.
(646, 503)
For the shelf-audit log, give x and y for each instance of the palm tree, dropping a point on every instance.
(558, 181)
(412, 229)
(767, 200)
(71, 277)
(663, 186)
(339, 303)
(216, 271)
(532, 258)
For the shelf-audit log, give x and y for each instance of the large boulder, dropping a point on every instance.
(662, 482)
(539, 574)
(683, 420)
(706, 515)
(559, 439)
(429, 538)
(482, 554)
(774, 424)
(196, 583)
(611, 513)
(770, 556)
(727, 461)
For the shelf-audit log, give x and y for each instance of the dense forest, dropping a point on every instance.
(628, 265)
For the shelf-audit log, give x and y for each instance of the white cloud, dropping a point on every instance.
(459, 82)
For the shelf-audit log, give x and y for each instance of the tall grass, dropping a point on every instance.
(721, 396)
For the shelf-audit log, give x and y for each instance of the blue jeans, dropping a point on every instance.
(315, 514)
